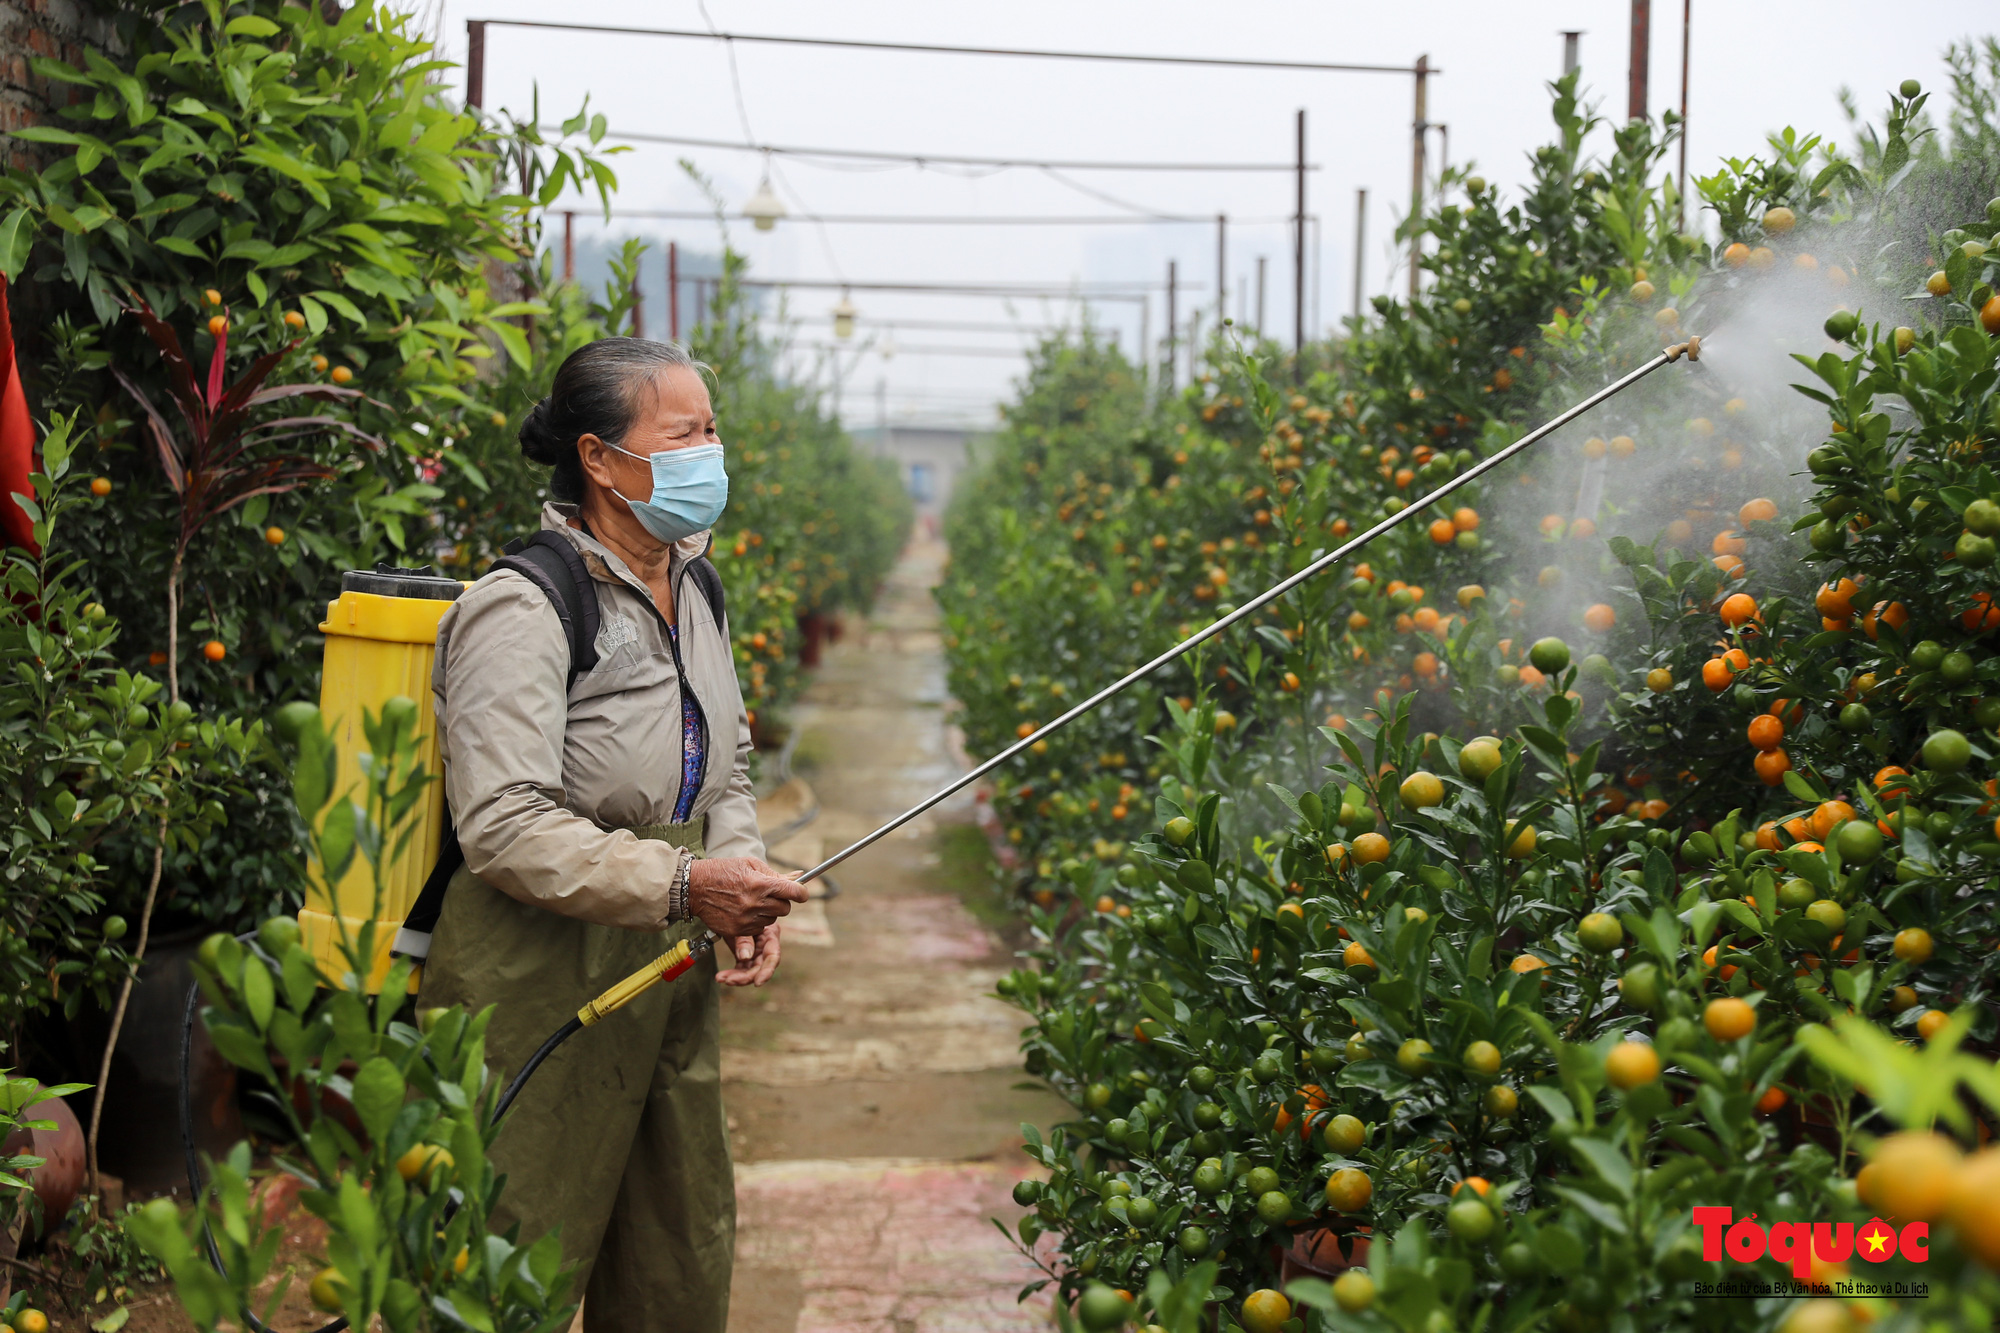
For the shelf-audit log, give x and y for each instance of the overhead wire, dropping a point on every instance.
(1101, 196)
(918, 349)
(933, 48)
(961, 219)
(930, 160)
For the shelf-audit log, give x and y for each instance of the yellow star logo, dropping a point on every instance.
(1875, 1241)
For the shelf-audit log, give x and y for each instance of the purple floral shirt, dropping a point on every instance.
(694, 752)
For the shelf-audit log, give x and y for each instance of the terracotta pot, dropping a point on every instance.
(59, 1179)
(814, 628)
(331, 1104)
(1322, 1253)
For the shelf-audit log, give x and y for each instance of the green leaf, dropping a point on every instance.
(1560, 1249)
(346, 308)
(1596, 1209)
(1607, 1161)
(307, 177)
(470, 1309)
(17, 237)
(1801, 788)
(48, 134)
(336, 839)
(1554, 1101)
(240, 1046)
(1740, 912)
(251, 25)
(259, 995)
(378, 1096)
(515, 340)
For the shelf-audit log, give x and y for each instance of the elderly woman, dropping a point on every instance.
(602, 818)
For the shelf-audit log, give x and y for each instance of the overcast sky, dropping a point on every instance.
(1755, 68)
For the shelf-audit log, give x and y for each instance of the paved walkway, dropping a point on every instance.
(872, 1086)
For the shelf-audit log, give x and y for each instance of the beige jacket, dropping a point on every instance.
(543, 787)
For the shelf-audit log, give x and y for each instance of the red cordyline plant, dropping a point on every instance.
(225, 456)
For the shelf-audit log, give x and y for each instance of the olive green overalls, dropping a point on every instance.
(661, 1211)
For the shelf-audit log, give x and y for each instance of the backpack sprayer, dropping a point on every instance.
(381, 641)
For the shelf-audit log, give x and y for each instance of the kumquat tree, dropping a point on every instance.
(1578, 913)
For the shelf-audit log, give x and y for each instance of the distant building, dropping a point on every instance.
(929, 459)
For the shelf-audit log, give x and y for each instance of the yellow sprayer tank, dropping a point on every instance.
(381, 636)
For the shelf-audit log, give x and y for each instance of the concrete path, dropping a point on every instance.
(872, 1085)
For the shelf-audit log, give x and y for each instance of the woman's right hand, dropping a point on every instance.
(740, 895)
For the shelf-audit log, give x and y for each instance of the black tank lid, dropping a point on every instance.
(386, 580)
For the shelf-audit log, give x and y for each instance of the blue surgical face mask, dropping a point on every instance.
(690, 490)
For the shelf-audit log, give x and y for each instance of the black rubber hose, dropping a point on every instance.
(557, 1038)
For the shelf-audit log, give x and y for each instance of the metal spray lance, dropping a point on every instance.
(684, 955)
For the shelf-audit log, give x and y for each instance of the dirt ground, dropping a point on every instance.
(874, 1087)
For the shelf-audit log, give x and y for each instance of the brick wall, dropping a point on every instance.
(28, 28)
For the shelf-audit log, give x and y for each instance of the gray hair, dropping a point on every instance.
(596, 391)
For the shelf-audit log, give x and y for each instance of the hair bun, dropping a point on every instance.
(539, 441)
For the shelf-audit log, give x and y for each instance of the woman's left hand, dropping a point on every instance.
(756, 958)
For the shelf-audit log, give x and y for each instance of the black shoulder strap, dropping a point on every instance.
(414, 939)
(704, 573)
(556, 567)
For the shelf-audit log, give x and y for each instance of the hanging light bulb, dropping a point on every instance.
(843, 317)
(764, 208)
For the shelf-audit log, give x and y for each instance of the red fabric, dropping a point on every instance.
(17, 438)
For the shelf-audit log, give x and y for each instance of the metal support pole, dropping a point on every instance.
(1173, 329)
(1261, 266)
(1299, 253)
(1360, 244)
(673, 291)
(1221, 267)
(475, 63)
(1417, 174)
(1319, 270)
(1687, 29)
(1569, 50)
(569, 245)
(1642, 59)
(1145, 358)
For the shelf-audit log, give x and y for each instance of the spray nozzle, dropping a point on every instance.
(1692, 347)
